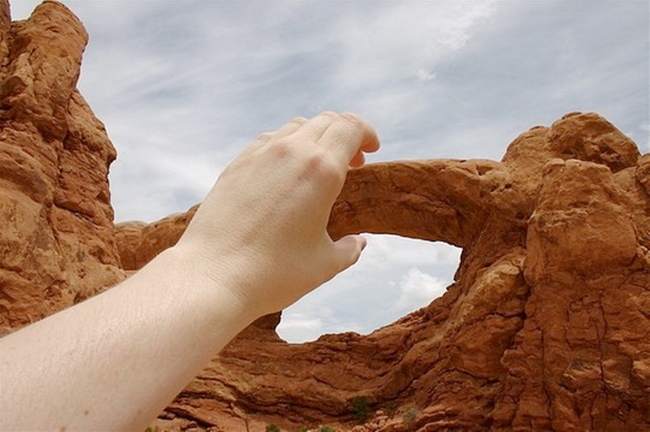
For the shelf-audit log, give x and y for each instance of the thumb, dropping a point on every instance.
(347, 251)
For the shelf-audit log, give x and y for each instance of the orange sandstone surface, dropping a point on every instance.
(546, 326)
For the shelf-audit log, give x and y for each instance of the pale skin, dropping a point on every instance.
(257, 244)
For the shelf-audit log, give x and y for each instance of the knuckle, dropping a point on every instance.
(331, 114)
(351, 117)
(281, 148)
(322, 165)
(264, 136)
(298, 120)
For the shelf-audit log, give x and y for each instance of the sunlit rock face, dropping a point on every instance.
(546, 327)
(57, 239)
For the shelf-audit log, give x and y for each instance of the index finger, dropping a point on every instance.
(347, 135)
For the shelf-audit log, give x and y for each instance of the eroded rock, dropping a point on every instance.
(546, 326)
(57, 243)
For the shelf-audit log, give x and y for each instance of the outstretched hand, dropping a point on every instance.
(262, 229)
(256, 245)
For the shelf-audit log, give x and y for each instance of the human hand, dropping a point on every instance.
(261, 232)
(256, 245)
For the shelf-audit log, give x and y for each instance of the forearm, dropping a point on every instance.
(81, 369)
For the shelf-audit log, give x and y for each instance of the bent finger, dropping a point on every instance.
(358, 160)
(347, 251)
(286, 130)
(314, 128)
(293, 125)
(348, 135)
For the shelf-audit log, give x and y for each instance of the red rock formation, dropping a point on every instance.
(546, 327)
(57, 242)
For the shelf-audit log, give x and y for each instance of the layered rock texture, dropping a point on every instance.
(57, 239)
(546, 326)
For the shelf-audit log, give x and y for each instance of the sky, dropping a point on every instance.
(184, 86)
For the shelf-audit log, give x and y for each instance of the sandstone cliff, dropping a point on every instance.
(57, 243)
(546, 327)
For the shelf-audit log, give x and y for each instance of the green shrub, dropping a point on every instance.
(272, 428)
(326, 429)
(390, 408)
(410, 415)
(360, 408)
(303, 428)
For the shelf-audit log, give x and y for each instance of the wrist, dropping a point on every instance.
(216, 279)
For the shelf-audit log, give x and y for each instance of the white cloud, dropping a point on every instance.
(295, 325)
(418, 289)
(391, 279)
(381, 45)
(425, 75)
(646, 128)
(22, 9)
(389, 250)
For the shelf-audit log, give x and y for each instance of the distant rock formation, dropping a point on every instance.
(546, 327)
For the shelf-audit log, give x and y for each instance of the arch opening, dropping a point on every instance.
(394, 277)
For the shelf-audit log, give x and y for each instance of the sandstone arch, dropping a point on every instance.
(537, 330)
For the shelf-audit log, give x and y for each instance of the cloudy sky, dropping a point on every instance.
(183, 86)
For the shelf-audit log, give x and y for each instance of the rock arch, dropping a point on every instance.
(545, 327)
